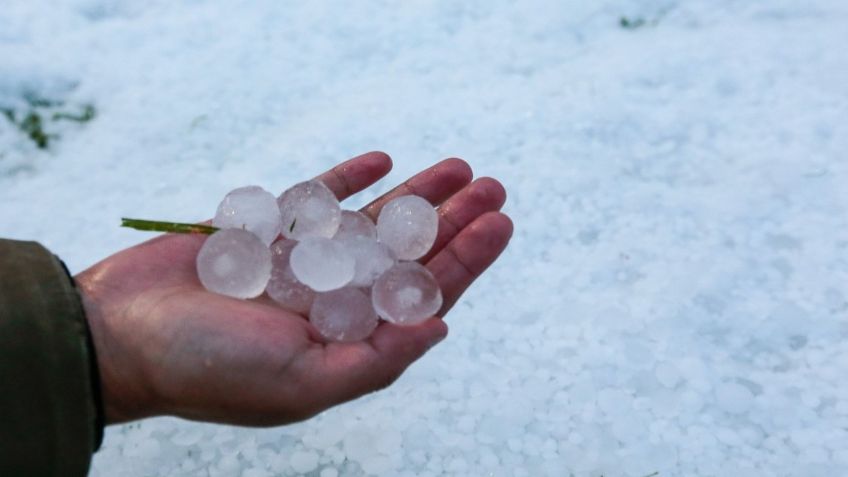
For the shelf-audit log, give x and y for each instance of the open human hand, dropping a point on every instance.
(166, 346)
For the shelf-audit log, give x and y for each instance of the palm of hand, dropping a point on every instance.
(167, 346)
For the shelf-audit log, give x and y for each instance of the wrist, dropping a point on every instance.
(94, 372)
(123, 393)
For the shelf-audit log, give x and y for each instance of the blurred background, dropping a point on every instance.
(676, 294)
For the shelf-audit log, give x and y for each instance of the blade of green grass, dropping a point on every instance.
(170, 227)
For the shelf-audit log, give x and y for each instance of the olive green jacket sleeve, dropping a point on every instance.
(50, 411)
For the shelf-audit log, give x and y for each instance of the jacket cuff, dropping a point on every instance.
(50, 413)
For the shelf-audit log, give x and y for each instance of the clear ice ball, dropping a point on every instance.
(309, 209)
(322, 264)
(251, 208)
(372, 259)
(284, 288)
(343, 315)
(234, 262)
(355, 224)
(406, 294)
(408, 225)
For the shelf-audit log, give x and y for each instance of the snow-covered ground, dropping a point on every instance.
(675, 298)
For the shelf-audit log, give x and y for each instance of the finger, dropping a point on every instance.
(469, 254)
(435, 184)
(483, 195)
(354, 369)
(356, 174)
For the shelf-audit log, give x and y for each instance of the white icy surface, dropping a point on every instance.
(251, 208)
(678, 192)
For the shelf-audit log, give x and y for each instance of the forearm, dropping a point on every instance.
(49, 391)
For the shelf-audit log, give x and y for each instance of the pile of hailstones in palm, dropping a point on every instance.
(311, 257)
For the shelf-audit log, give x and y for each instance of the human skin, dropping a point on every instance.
(166, 346)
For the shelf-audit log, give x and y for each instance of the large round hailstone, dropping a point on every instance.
(406, 294)
(309, 209)
(355, 224)
(234, 262)
(251, 208)
(284, 288)
(408, 225)
(343, 315)
(322, 264)
(372, 259)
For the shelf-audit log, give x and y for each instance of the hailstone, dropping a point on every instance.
(322, 264)
(251, 208)
(408, 225)
(406, 294)
(345, 314)
(284, 288)
(309, 209)
(234, 262)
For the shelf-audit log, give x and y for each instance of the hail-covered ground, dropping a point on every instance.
(675, 297)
